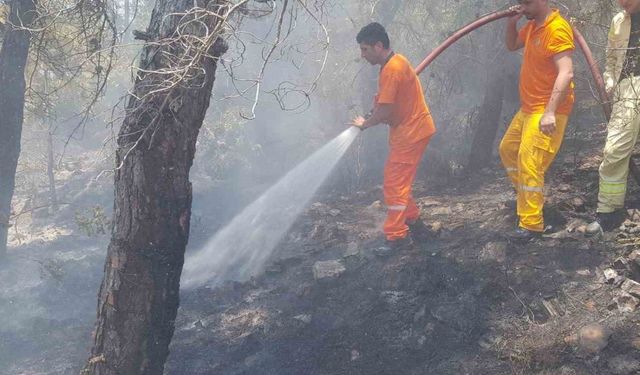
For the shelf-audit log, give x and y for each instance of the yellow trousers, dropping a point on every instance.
(622, 135)
(526, 154)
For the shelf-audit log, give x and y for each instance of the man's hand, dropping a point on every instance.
(610, 93)
(548, 123)
(518, 15)
(514, 43)
(358, 122)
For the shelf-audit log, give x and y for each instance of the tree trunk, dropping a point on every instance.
(486, 126)
(53, 196)
(139, 295)
(13, 60)
(127, 20)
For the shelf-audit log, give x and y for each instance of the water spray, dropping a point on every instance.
(242, 247)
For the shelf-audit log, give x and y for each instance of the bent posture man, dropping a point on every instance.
(401, 104)
(622, 79)
(546, 96)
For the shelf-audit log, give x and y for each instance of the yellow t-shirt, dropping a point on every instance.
(538, 73)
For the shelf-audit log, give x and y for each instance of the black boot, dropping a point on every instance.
(420, 231)
(395, 246)
(524, 235)
(605, 222)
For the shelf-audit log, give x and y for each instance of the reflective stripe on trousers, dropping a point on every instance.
(401, 207)
(622, 135)
(526, 154)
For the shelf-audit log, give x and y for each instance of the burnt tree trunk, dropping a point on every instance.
(139, 295)
(488, 119)
(13, 60)
(53, 195)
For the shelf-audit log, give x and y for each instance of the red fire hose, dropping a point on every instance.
(593, 65)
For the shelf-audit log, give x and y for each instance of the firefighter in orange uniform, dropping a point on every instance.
(400, 103)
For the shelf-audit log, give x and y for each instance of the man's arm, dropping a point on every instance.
(611, 61)
(513, 42)
(564, 64)
(381, 115)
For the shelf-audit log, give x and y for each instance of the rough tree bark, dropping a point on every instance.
(502, 69)
(486, 126)
(13, 60)
(139, 295)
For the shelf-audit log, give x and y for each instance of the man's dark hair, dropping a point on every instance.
(372, 34)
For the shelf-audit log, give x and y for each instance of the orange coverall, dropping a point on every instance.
(410, 129)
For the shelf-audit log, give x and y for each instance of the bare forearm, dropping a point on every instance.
(560, 91)
(379, 116)
(512, 36)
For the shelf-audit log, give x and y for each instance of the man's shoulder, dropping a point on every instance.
(561, 23)
(398, 63)
(619, 17)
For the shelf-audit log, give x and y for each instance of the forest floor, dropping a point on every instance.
(467, 301)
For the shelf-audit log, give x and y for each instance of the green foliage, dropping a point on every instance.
(223, 146)
(92, 221)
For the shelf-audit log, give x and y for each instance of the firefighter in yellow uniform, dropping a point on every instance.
(622, 80)
(535, 135)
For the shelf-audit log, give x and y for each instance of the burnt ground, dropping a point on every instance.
(467, 301)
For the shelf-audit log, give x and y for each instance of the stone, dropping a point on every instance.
(575, 225)
(626, 303)
(578, 204)
(334, 212)
(427, 202)
(376, 206)
(621, 264)
(352, 250)
(610, 275)
(593, 338)
(304, 318)
(436, 226)
(319, 208)
(330, 269)
(560, 235)
(564, 188)
(355, 355)
(634, 230)
(624, 364)
(634, 256)
(631, 287)
(441, 211)
(634, 214)
(496, 251)
(274, 269)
